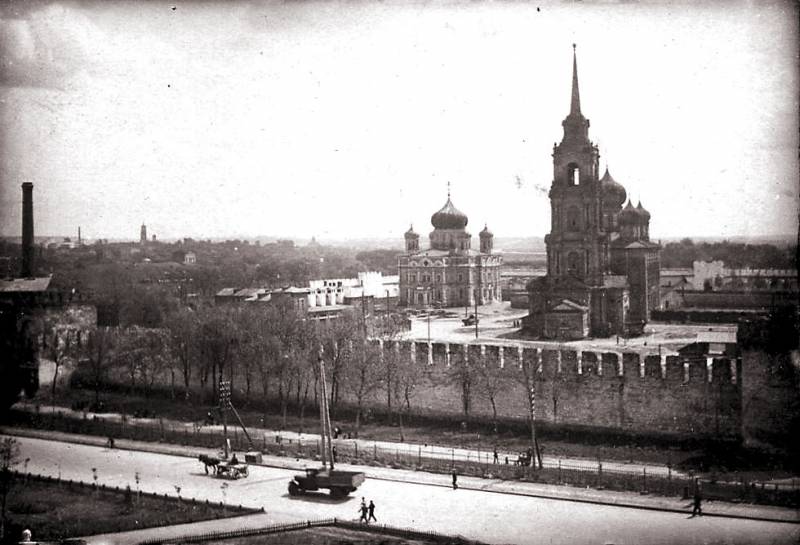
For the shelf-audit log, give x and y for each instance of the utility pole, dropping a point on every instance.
(224, 402)
(477, 295)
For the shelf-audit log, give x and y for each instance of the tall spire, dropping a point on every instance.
(575, 105)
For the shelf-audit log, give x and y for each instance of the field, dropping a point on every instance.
(55, 510)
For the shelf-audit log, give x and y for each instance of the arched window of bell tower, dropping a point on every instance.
(573, 174)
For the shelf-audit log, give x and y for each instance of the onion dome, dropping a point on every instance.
(642, 211)
(629, 214)
(485, 232)
(449, 217)
(614, 194)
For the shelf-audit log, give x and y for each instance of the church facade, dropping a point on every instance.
(449, 273)
(602, 270)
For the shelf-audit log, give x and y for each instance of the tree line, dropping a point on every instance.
(270, 352)
(735, 254)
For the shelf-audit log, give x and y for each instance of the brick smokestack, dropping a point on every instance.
(27, 230)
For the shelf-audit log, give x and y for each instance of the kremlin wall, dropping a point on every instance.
(716, 398)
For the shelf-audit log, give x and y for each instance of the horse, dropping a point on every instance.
(209, 461)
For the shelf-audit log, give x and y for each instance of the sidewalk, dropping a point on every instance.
(554, 492)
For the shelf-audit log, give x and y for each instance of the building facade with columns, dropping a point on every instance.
(602, 270)
(449, 273)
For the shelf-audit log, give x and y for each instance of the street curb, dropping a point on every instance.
(99, 442)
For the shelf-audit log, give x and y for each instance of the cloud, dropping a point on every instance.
(45, 47)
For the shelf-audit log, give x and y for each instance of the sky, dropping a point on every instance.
(348, 119)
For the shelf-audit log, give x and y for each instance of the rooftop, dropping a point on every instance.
(25, 285)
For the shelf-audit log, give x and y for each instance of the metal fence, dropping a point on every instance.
(416, 457)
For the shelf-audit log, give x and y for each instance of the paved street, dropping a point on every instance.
(478, 514)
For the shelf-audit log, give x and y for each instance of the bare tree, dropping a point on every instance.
(9, 457)
(59, 346)
(363, 375)
(98, 351)
(491, 382)
(462, 375)
(183, 326)
(400, 378)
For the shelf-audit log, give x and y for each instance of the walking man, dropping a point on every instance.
(363, 510)
(371, 512)
(495, 456)
(455, 480)
(697, 509)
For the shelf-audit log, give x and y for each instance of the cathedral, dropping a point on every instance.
(602, 270)
(450, 273)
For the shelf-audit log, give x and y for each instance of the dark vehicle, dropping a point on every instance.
(471, 320)
(340, 483)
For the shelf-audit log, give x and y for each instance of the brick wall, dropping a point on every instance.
(588, 389)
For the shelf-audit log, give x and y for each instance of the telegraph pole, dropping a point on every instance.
(224, 403)
(477, 295)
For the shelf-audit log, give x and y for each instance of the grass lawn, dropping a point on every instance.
(54, 511)
(321, 536)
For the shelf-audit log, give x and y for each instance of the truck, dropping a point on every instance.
(339, 483)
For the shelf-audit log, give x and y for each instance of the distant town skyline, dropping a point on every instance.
(347, 120)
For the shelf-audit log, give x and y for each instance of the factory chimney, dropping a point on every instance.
(27, 230)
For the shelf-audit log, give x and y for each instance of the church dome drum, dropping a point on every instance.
(449, 217)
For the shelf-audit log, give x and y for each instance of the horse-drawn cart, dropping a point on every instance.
(221, 468)
(232, 471)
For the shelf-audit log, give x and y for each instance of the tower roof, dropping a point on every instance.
(449, 217)
(410, 232)
(576, 126)
(485, 232)
(642, 211)
(614, 193)
(575, 103)
(629, 214)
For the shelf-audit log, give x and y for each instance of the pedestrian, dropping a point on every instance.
(455, 480)
(333, 453)
(110, 441)
(697, 509)
(372, 511)
(363, 509)
(496, 460)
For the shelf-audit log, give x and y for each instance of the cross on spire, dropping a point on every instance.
(448, 190)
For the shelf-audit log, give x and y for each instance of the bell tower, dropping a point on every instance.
(574, 245)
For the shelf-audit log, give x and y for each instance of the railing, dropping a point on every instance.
(658, 480)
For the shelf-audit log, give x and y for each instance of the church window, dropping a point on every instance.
(460, 277)
(573, 174)
(573, 219)
(438, 278)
